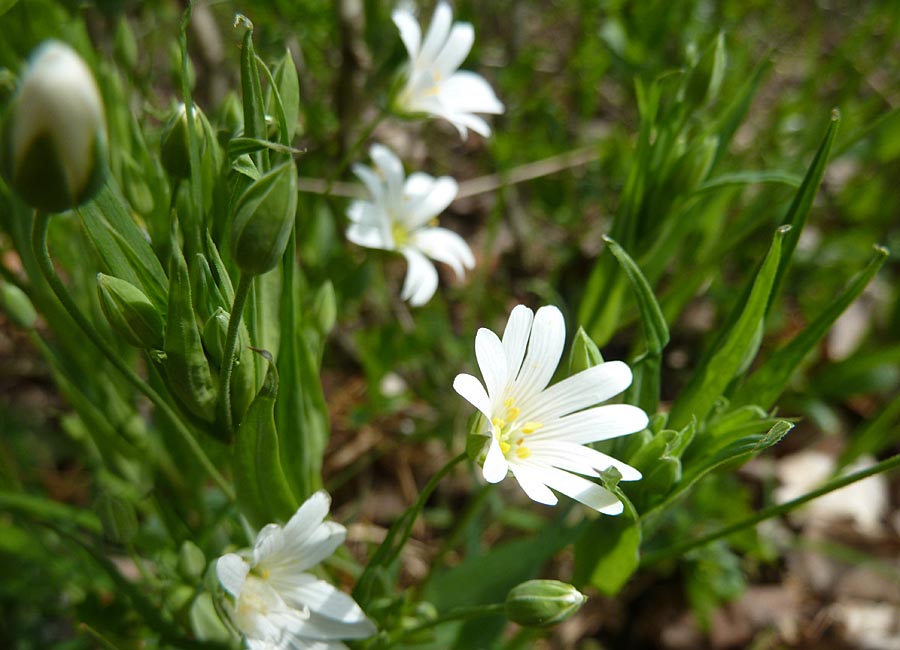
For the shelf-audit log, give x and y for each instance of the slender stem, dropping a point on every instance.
(234, 322)
(353, 150)
(767, 513)
(42, 254)
(460, 614)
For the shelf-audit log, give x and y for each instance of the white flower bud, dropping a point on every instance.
(54, 136)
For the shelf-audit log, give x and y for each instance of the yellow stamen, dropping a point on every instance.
(265, 574)
(504, 447)
(512, 413)
(498, 422)
(530, 427)
(508, 402)
(399, 234)
(434, 222)
(523, 452)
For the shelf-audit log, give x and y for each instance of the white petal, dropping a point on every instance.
(595, 424)
(515, 337)
(455, 50)
(232, 570)
(473, 392)
(545, 347)
(321, 544)
(421, 278)
(580, 489)
(438, 31)
(532, 485)
(445, 246)
(428, 206)
(469, 92)
(324, 600)
(269, 544)
(308, 517)
(368, 237)
(391, 168)
(580, 391)
(371, 180)
(495, 465)
(492, 363)
(410, 32)
(417, 185)
(578, 458)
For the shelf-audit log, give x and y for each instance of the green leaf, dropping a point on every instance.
(749, 178)
(122, 246)
(237, 147)
(254, 108)
(799, 209)
(712, 377)
(288, 85)
(769, 381)
(608, 553)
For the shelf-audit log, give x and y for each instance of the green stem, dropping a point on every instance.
(234, 322)
(42, 254)
(354, 150)
(460, 614)
(678, 550)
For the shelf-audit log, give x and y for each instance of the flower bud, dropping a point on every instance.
(53, 150)
(174, 148)
(130, 312)
(17, 306)
(542, 603)
(191, 561)
(263, 218)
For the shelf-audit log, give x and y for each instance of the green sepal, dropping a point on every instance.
(584, 353)
(130, 313)
(186, 367)
(262, 490)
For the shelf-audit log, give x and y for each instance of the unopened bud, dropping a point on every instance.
(191, 561)
(130, 312)
(175, 150)
(263, 218)
(585, 353)
(17, 306)
(53, 150)
(542, 603)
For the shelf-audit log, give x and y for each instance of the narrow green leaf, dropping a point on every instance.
(798, 212)
(288, 85)
(728, 123)
(237, 147)
(713, 376)
(122, 246)
(767, 383)
(254, 108)
(749, 178)
(656, 331)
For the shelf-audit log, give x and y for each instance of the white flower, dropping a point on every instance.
(401, 216)
(54, 151)
(277, 605)
(434, 84)
(539, 433)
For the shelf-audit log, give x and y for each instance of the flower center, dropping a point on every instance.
(511, 433)
(399, 234)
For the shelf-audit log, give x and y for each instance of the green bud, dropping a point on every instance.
(585, 353)
(542, 603)
(174, 148)
(325, 308)
(17, 306)
(705, 78)
(118, 518)
(243, 378)
(53, 144)
(130, 312)
(263, 218)
(191, 561)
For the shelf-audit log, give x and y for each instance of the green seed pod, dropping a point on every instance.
(262, 489)
(174, 148)
(186, 367)
(17, 306)
(542, 603)
(263, 218)
(118, 518)
(53, 144)
(585, 353)
(191, 561)
(130, 313)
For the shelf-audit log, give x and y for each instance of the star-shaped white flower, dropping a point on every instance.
(434, 83)
(539, 433)
(277, 605)
(401, 216)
